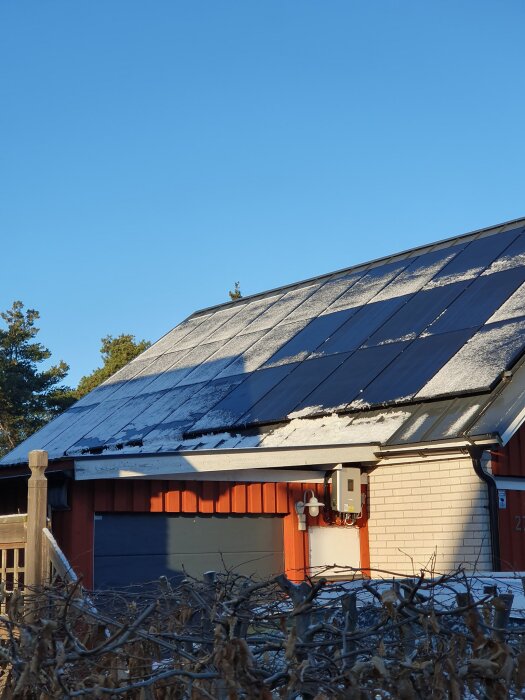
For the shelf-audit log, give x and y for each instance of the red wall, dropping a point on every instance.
(510, 461)
(74, 528)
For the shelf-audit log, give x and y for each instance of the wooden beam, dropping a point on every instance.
(35, 573)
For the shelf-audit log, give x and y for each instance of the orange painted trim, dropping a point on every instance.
(208, 497)
(157, 494)
(364, 541)
(172, 498)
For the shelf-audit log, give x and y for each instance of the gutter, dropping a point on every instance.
(475, 454)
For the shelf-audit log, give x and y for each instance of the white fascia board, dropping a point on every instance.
(310, 476)
(513, 427)
(510, 483)
(191, 462)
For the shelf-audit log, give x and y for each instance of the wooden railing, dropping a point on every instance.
(59, 569)
(29, 554)
(13, 532)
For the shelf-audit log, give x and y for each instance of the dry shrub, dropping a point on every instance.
(232, 638)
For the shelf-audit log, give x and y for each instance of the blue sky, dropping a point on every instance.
(152, 153)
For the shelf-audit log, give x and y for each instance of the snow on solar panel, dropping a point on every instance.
(280, 310)
(206, 331)
(243, 397)
(138, 426)
(475, 257)
(171, 374)
(514, 307)
(349, 379)
(309, 338)
(513, 256)
(247, 313)
(295, 386)
(480, 362)
(416, 314)
(360, 326)
(255, 355)
(372, 282)
(479, 301)
(412, 369)
(169, 341)
(48, 437)
(420, 271)
(228, 352)
(323, 296)
(196, 405)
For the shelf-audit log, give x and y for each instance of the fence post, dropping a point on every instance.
(36, 519)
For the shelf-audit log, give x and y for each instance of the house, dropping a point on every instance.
(395, 387)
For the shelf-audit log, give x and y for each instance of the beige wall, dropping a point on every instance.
(425, 506)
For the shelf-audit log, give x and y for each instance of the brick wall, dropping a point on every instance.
(424, 507)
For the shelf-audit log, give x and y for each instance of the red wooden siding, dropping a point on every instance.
(74, 528)
(512, 532)
(510, 460)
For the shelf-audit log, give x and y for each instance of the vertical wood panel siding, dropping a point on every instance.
(74, 528)
(510, 460)
(512, 532)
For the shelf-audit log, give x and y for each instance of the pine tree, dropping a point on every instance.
(236, 294)
(29, 397)
(116, 352)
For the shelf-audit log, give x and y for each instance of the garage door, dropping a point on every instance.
(136, 548)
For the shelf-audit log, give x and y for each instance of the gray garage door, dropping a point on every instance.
(136, 548)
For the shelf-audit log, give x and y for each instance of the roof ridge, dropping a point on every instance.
(494, 229)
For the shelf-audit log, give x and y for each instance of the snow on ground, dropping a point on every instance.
(444, 596)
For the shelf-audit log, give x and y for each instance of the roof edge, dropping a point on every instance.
(358, 266)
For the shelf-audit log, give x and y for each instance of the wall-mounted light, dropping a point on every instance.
(311, 502)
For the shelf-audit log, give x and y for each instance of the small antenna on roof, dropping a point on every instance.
(236, 294)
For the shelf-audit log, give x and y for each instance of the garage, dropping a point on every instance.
(135, 548)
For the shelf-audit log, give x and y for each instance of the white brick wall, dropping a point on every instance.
(426, 506)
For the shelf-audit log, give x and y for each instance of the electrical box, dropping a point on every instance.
(346, 490)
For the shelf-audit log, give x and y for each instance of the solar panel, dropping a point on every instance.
(284, 397)
(512, 256)
(347, 382)
(479, 301)
(280, 310)
(417, 313)
(476, 256)
(138, 426)
(247, 312)
(196, 404)
(479, 364)
(203, 331)
(360, 326)
(368, 286)
(309, 338)
(418, 273)
(243, 397)
(323, 296)
(412, 369)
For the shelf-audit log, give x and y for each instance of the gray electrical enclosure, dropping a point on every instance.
(346, 490)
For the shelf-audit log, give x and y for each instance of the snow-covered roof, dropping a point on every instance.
(414, 347)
